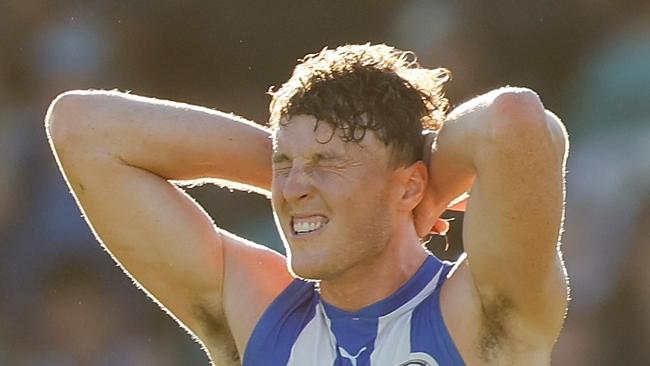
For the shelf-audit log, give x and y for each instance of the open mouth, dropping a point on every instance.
(308, 224)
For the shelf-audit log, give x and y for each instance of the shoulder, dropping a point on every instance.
(282, 327)
(254, 276)
(460, 306)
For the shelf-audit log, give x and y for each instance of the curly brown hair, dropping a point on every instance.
(356, 88)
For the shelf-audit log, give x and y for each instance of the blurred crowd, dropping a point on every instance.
(63, 302)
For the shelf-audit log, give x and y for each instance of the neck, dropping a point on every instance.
(377, 277)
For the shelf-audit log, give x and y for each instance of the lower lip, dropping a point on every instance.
(295, 235)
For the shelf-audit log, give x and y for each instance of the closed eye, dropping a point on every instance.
(325, 157)
(280, 158)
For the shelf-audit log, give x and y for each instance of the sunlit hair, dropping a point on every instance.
(357, 88)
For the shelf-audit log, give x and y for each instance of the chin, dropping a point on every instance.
(306, 270)
(311, 268)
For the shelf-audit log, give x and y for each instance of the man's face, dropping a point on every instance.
(331, 200)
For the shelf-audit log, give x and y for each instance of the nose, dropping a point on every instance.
(298, 185)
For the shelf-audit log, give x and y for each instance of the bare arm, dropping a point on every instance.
(512, 154)
(172, 140)
(118, 151)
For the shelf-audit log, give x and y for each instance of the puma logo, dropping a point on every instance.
(353, 359)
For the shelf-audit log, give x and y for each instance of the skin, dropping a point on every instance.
(369, 236)
(504, 305)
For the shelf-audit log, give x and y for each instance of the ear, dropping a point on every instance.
(412, 185)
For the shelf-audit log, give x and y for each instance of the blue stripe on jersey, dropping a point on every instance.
(281, 323)
(429, 333)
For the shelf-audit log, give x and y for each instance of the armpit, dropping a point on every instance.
(216, 337)
(494, 332)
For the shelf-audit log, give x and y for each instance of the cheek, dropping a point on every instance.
(365, 213)
(277, 184)
(377, 208)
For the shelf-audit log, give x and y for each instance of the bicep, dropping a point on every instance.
(166, 242)
(514, 216)
(253, 277)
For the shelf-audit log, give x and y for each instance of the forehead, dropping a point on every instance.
(303, 133)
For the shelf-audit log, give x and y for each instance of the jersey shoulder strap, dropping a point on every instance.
(281, 323)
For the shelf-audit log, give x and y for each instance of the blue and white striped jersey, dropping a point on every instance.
(405, 329)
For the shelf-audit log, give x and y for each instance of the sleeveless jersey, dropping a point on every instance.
(405, 329)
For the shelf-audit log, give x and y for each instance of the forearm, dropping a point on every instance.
(173, 140)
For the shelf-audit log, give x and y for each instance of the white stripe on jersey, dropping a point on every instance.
(393, 345)
(315, 344)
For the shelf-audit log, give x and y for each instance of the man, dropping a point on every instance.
(352, 197)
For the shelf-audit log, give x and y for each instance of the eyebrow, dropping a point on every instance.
(277, 158)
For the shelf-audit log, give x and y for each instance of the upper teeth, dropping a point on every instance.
(304, 227)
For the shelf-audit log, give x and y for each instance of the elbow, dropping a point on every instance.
(514, 108)
(63, 115)
(518, 115)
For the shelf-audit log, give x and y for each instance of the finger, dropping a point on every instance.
(441, 227)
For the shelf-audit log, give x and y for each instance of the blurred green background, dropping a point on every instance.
(63, 301)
